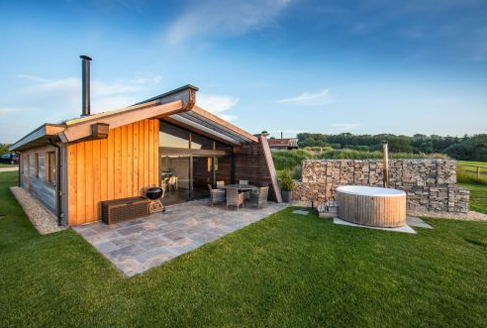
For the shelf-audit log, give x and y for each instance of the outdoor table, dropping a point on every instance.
(241, 187)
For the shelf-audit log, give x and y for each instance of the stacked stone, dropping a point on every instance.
(429, 184)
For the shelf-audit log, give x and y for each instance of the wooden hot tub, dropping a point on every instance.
(372, 206)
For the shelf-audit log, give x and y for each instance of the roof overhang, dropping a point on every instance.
(38, 137)
(176, 106)
(199, 120)
(178, 100)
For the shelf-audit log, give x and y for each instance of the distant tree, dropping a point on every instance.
(4, 148)
(473, 148)
(466, 147)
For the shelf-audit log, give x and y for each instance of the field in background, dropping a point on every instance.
(472, 172)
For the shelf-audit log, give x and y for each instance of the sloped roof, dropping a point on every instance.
(177, 105)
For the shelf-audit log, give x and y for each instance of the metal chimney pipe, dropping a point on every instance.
(385, 147)
(85, 85)
(281, 135)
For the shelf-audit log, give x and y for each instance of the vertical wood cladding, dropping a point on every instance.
(34, 175)
(122, 165)
(251, 164)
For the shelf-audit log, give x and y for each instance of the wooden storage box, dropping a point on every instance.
(118, 210)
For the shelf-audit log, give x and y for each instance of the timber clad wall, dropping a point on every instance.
(122, 165)
(34, 176)
(250, 164)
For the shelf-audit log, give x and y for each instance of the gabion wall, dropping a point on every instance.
(430, 184)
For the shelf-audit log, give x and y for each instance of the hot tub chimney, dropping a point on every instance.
(85, 85)
(385, 147)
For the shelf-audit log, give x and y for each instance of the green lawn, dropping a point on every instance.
(478, 196)
(285, 271)
(468, 174)
(7, 165)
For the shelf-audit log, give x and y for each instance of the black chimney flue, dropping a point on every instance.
(85, 85)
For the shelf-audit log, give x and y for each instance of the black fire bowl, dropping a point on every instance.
(154, 193)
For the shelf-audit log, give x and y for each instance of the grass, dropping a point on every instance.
(468, 174)
(478, 196)
(286, 271)
(7, 165)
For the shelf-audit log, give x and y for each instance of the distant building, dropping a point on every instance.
(283, 143)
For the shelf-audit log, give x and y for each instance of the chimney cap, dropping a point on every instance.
(85, 57)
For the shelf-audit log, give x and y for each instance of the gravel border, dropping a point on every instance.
(469, 216)
(44, 220)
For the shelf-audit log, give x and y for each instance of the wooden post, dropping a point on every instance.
(385, 147)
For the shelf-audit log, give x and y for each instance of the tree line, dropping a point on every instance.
(473, 148)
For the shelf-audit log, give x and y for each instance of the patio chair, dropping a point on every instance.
(216, 195)
(245, 182)
(259, 196)
(173, 182)
(220, 184)
(234, 198)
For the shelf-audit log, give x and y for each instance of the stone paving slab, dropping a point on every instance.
(405, 229)
(301, 212)
(417, 222)
(139, 245)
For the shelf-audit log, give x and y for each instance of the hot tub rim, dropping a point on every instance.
(397, 192)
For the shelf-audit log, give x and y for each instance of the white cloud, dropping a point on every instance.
(345, 126)
(65, 94)
(217, 104)
(221, 18)
(310, 99)
(6, 110)
(32, 78)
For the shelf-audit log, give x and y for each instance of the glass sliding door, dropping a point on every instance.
(189, 162)
(175, 178)
(202, 176)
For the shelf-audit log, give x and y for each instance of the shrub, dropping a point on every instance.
(286, 181)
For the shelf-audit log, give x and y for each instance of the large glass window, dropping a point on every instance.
(173, 137)
(221, 146)
(199, 142)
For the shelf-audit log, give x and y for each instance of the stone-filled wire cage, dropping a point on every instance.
(430, 184)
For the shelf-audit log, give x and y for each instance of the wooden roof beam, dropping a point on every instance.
(231, 127)
(175, 101)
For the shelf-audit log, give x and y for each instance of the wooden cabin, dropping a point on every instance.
(283, 143)
(73, 166)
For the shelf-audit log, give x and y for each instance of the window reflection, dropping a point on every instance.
(173, 137)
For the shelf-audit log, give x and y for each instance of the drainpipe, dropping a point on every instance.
(19, 164)
(59, 214)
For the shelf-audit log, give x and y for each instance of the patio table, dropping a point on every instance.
(241, 187)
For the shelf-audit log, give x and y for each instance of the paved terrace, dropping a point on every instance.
(139, 245)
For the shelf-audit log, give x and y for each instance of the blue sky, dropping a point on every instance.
(376, 66)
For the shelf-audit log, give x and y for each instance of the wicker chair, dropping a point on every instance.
(216, 195)
(245, 182)
(220, 184)
(259, 196)
(234, 198)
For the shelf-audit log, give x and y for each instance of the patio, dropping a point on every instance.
(136, 246)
